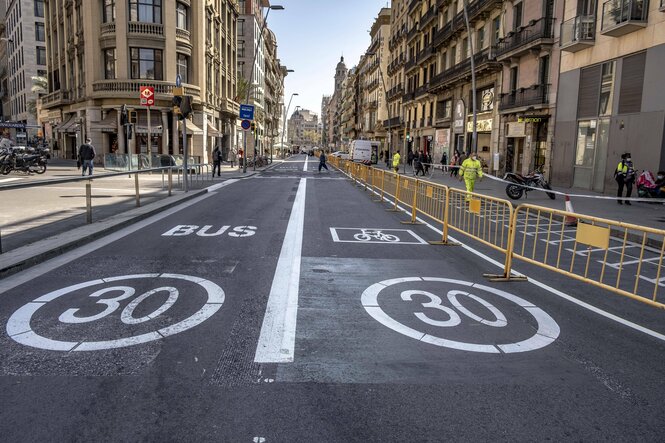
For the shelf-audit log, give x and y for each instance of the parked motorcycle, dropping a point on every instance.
(14, 160)
(522, 184)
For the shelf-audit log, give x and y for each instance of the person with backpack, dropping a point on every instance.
(624, 174)
(217, 161)
(86, 156)
(322, 161)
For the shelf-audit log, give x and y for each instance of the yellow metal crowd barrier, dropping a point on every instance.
(616, 256)
(606, 253)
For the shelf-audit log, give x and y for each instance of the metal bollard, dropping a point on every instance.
(88, 202)
(138, 194)
(170, 181)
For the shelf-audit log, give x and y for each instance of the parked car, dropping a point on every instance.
(341, 154)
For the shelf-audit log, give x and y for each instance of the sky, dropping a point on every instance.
(312, 35)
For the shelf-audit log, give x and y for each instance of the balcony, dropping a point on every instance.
(524, 97)
(131, 88)
(535, 35)
(484, 62)
(428, 17)
(477, 9)
(408, 96)
(394, 122)
(56, 98)
(107, 29)
(146, 29)
(412, 33)
(410, 64)
(578, 33)
(621, 17)
(182, 35)
(373, 104)
(425, 54)
(422, 90)
(371, 86)
(413, 4)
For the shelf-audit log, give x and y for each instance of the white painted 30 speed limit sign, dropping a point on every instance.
(108, 297)
(449, 309)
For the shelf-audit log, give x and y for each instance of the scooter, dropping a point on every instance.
(522, 184)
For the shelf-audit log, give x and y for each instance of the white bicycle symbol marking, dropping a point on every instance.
(20, 329)
(375, 234)
(548, 329)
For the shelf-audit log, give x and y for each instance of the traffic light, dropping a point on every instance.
(253, 127)
(123, 115)
(186, 106)
(132, 116)
(177, 102)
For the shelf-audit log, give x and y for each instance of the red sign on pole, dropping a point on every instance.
(147, 96)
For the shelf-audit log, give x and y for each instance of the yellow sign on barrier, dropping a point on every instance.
(596, 236)
(474, 206)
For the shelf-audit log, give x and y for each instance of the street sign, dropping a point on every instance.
(247, 112)
(15, 125)
(147, 96)
(178, 81)
(245, 124)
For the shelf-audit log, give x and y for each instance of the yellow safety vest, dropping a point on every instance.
(471, 168)
(396, 159)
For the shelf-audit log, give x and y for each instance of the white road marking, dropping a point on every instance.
(381, 236)
(541, 285)
(278, 332)
(304, 168)
(7, 180)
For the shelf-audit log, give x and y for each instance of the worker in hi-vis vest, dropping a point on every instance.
(470, 170)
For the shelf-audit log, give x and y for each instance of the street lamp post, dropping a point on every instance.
(251, 76)
(474, 134)
(286, 112)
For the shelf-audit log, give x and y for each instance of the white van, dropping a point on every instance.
(364, 151)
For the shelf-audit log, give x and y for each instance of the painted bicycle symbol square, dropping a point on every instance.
(376, 236)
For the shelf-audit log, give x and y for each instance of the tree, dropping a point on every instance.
(39, 87)
(312, 136)
(242, 87)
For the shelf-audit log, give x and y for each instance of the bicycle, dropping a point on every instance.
(369, 234)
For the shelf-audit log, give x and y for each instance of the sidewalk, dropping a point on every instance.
(596, 204)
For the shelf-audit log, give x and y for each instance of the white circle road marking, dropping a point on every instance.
(548, 329)
(19, 329)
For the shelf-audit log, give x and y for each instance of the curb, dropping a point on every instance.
(14, 261)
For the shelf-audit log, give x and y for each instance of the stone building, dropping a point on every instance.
(396, 77)
(302, 123)
(611, 98)
(100, 53)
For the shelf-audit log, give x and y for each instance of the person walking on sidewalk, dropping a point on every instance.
(409, 158)
(454, 163)
(418, 164)
(396, 160)
(86, 155)
(444, 163)
(217, 161)
(470, 170)
(625, 176)
(322, 161)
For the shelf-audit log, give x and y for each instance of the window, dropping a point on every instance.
(606, 88)
(109, 11)
(148, 11)
(181, 16)
(182, 67)
(146, 63)
(517, 15)
(496, 29)
(513, 78)
(39, 8)
(444, 109)
(109, 63)
(480, 39)
(40, 35)
(241, 28)
(41, 55)
(465, 48)
(544, 70)
(241, 48)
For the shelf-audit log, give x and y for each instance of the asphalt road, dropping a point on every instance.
(290, 307)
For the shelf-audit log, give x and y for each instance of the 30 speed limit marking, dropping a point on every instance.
(449, 308)
(108, 296)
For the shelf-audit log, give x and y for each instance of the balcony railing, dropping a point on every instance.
(429, 16)
(107, 29)
(535, 95)
(182, 34)
(373, 85)
(475, 10)
(623, 16)
(55, 98)
(524, 37)
(409, 96)
(425, 54)
(578, 33)
(422, 90)
(145, 28)
(484, 59)
(412, 32)
(413, 4)
(134, 86)
(410, 64)
(394, 122)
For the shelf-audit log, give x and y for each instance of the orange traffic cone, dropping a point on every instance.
(569, 219)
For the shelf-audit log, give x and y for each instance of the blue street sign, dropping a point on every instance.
(178, 81)
(245, 124)
(247, 112)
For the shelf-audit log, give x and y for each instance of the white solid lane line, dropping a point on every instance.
(304, 168)
(278, 332)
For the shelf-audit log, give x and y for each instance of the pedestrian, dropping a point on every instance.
(217, 161)
(418, 166)
(86, 155)
(625, 176)
(444, 163)
(386, 156)
(470, 170)
(428, 163)
(409, 158)
(396, 160)
(322, 161)
(454, 164)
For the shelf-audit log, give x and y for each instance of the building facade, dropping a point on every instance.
(100, 53)
(611, 98)
(304, 129)
(396, 76)
(25, 44)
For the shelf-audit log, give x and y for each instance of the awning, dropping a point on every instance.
(67, 126)
(212, 132)
(108, 124)
(192, 129)
(141, 126)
